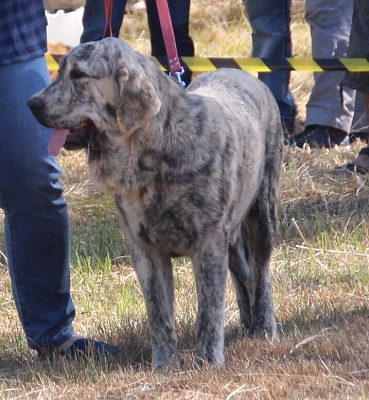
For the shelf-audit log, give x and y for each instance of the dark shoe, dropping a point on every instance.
(359, 135)
(81, 348)
(356, 168)
(319, 136)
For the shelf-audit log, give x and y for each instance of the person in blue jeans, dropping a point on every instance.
(36, 221)
(271, 38)
(94, 26)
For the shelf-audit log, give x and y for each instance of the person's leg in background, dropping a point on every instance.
(361, 164)
(271, 38)
(328, 120)
(180, 14)
(37, 232)
(360, 123)
(358, 48)
(94, 26)
(94, 20)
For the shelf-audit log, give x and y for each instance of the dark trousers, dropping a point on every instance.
(94, 26)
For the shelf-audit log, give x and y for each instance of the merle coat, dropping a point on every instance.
(195, 172)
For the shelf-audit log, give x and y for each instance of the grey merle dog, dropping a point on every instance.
(195, 172)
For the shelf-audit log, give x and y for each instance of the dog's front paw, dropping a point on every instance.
(165, 359)
(210, 355)
(264, 332)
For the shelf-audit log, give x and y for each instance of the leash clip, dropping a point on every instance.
(178, 75)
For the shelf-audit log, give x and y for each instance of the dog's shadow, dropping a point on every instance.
(135, 347)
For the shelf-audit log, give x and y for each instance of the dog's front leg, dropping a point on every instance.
(155, 274)
(210, 266)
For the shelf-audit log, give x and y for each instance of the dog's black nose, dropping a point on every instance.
(35, 103)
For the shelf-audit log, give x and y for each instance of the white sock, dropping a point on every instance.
(66, 345)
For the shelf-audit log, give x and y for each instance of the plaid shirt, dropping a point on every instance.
(22, 30)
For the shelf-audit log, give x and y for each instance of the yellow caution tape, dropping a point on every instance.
(51, 62)
(253, 64)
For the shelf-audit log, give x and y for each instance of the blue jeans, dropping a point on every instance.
(37, 236)
(271, 38)
(94, 26)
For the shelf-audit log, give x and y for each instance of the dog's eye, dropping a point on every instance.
(77, 74)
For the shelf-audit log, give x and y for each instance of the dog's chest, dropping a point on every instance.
(161, 222)
(168, 234)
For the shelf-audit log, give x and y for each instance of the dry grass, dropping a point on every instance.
(320, 277)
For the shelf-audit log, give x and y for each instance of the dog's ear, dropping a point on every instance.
(137, 101)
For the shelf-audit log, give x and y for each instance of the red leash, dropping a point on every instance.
(108, 13)
(165, 19)
(169, 40)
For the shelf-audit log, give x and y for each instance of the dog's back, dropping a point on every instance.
(251, 123)
(247, 98)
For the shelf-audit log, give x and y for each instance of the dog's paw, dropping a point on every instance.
(210, 356)
(266, 333)
(165, 359)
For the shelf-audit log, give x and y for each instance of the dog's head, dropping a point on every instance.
(103, 87)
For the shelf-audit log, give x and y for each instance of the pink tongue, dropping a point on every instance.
(57, 140)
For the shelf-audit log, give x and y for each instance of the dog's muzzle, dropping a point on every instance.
(81, 136)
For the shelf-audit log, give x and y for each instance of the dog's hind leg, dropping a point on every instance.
(155, 274)
(210, 267)
(259, 233)
(240, 272)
